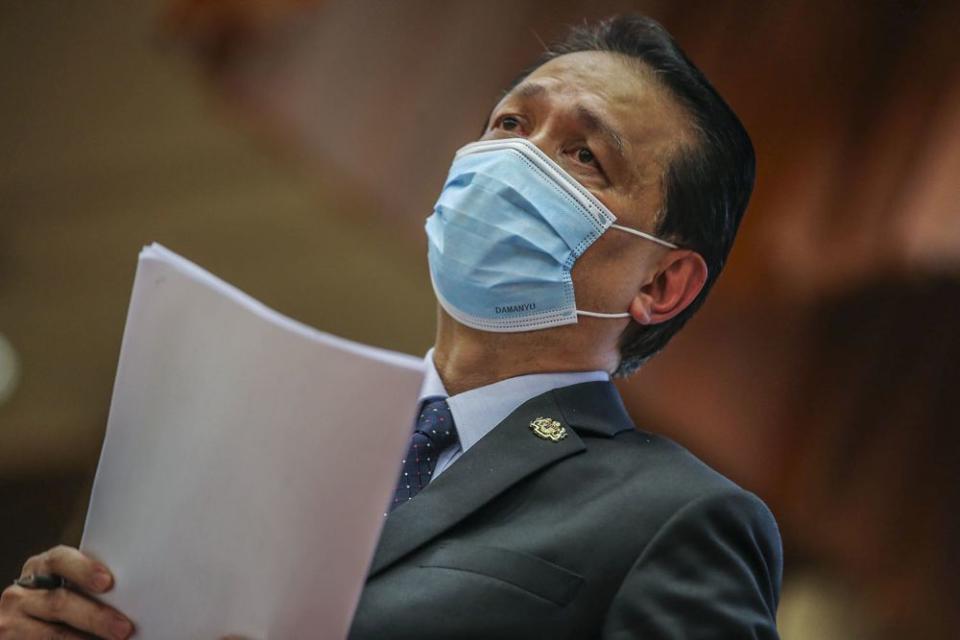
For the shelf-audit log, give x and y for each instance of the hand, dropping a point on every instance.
(65, 613)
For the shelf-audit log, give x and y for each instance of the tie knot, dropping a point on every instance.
(436, 423)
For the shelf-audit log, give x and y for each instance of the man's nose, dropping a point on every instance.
(546, 139)
(557, 125)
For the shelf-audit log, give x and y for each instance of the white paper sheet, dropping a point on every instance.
(247, 463)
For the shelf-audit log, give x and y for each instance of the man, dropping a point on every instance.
(529, 505)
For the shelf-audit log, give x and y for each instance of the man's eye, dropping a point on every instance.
(586, 156)
(509, 123)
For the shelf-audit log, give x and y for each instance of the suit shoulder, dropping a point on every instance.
(692, 491)
(669, 460)
(646, 461)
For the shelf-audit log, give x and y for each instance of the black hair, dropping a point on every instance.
(707, 184)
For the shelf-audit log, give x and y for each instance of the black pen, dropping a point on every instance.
(34, 581)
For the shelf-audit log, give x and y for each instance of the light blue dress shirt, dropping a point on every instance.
(478, 411)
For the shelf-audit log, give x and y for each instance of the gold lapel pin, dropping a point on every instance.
(549, 429)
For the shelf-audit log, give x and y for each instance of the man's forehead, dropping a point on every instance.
(612, 77)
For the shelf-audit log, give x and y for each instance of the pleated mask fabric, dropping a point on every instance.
(505, 233)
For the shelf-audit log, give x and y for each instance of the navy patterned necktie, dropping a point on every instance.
(435, 432)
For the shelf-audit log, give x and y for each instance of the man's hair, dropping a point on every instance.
(706, 186)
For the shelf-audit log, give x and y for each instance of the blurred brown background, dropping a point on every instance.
(294, 148)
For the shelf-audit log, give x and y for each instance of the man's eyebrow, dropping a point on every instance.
(523, 91)
(594, 122)
(528, 90)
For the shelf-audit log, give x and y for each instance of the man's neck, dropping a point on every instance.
(468, 359)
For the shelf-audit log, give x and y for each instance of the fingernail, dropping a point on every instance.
(121, 628)
(101, 580)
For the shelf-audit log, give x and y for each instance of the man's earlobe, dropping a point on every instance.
(676, 285)
(640, 309)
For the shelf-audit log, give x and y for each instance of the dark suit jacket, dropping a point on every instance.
(608, 533)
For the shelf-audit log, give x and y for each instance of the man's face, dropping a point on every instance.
(612, 128)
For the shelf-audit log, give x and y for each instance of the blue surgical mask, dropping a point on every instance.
(506, 231)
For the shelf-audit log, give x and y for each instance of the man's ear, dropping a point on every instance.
(680, 278)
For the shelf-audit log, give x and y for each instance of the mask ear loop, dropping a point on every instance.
(595, 314)
(645, 236)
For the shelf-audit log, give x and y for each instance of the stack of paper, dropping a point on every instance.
(247, 463)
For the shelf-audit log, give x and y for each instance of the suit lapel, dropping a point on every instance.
(506, 455)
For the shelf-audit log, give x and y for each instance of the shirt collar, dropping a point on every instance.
(478, 411)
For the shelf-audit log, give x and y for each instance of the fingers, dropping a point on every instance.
(62, 612)
(69, 608)
(24, 628)
(16, 625)
(75, 567)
